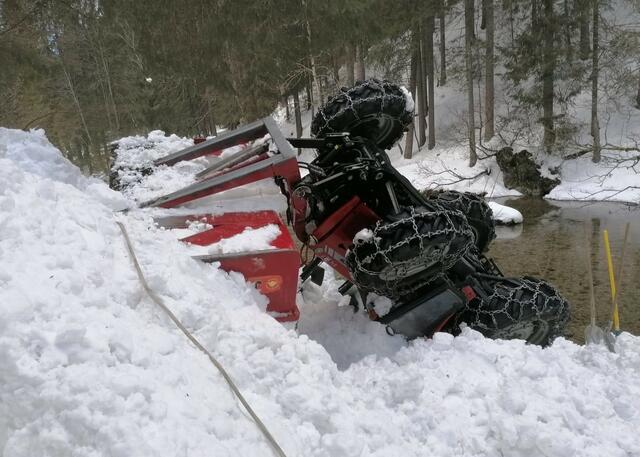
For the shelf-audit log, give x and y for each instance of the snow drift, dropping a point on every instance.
(89, 367)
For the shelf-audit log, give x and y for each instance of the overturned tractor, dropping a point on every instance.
(360, 216)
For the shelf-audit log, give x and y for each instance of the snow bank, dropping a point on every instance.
(610, 180)
(89, 366)
(505, 214)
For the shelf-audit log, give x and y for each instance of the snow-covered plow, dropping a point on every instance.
(273, 271)
(358, 214)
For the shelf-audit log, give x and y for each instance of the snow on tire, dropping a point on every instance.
(377, 110)
(528, 308)
(407, 251)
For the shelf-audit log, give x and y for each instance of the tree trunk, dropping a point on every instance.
(548, 69)
(421, 93)
(567, 29)
(307, 89)
(317, 95)
(108, 79)
(350, 65)
(483, 16)
(489, 101)
(76, 102)
(285, 103)
(335, 67)
(213, 130)
(297, 115)
(595, 125)
(430, 25)
(638, 96)
(583, 17)
(443, 56)
(468, 35)
(408, 150)
(359, 66)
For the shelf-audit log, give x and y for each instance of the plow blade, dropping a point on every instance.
(234, 160)
(244, 134)
(276, 166)
(244, 167)
(273, 272)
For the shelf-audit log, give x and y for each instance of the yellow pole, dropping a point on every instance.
(612, 281)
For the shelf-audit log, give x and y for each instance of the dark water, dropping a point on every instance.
(551, 245)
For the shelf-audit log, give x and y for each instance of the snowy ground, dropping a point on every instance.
(90, 367)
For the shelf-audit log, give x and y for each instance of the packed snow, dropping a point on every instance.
(91, 367)
(250, 239)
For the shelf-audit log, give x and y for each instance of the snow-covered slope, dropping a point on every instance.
(89, 367)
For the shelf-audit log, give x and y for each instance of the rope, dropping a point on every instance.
(158, 301)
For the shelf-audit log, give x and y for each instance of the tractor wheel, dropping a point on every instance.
(476, 210)
(529, 309)
(409, 250)
(376, 110)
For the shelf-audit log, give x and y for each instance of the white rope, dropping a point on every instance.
(158, 301)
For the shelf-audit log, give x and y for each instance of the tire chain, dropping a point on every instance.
(399, 278)
(524, 300)
(476, 210)
(351, 105)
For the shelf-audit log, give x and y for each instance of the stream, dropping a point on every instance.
(550, 244)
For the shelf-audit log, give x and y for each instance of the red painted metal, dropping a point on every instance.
(274, 272)
(230, 224)
(335, 235)
(469, 293)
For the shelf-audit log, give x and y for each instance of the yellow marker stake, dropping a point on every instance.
(612, 281)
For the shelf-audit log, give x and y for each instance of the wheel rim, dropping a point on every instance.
(376, 128)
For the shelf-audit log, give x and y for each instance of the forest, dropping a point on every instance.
(92, 72)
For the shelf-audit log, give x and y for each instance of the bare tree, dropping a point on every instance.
(489, 98)
(583, 17)
(408, 150)
(468, 35)
(595, 126)
(429, 29)
(350, 57)
(443, 56)
(297, 115)
(317, 95)
(638, 96)
(421, 92)
(548, 69)
(359, 67)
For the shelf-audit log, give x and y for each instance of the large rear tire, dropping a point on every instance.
(406, 252)
(376, 110)
(475, 209)
(529, 309)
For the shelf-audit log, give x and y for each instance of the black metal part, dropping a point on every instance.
(308, 269)
(317, 276)
(345, 287)
(424, 315)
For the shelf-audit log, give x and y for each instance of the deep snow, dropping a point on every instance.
(90, 367)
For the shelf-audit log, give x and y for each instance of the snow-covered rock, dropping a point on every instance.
(90, 367)
(505, 214)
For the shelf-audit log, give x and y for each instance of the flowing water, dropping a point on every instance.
(550, 244)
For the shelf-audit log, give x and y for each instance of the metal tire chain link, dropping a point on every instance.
(350, 102)
(514, 306)
(398, 273)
